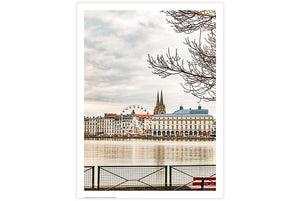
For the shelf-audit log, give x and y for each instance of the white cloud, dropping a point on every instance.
(116, 70)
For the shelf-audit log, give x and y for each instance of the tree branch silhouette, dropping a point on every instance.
(199, 73)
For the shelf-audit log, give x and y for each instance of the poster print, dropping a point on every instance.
(149, 83)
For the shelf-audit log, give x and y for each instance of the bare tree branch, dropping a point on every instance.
(188, 21)
(199, 74)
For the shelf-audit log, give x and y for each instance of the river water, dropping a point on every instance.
(116, 152)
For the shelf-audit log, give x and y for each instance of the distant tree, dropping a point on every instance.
(199, 73)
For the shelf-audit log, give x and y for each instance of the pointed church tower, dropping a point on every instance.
(160, 107)
(157, 105)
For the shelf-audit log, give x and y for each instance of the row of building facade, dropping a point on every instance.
(182, 122)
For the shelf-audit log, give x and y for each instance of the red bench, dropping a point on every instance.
(203, 183)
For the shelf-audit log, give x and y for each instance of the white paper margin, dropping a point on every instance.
(80, 8)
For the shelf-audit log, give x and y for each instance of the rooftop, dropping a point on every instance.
(176, 115)
(144, 115)
(187, 112)
(93, 117)
(109, 115)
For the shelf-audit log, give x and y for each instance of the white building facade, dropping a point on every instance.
(183, 123)
(109, 124)
(93, 125)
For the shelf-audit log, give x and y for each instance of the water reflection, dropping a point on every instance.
(109, 151)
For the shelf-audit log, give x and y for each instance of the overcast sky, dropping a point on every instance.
(115, 57)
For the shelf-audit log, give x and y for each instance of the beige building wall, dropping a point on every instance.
(181, 125)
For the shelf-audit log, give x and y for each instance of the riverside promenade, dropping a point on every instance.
(144, 177)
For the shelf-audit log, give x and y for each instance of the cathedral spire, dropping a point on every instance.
(161, 99)
(160, 107)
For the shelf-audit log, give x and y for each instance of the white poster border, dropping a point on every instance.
(81, 7)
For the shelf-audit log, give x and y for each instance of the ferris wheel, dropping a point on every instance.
(135, 120)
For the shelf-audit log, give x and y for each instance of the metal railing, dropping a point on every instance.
(89, 177)
(176, 177)
(132, 177)
(182, 175)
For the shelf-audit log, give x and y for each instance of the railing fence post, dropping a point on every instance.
(93, 177)
(170, 177)
(98, 178)
(166, 177)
